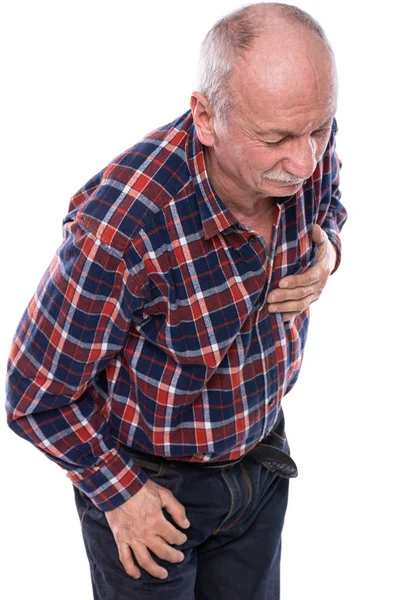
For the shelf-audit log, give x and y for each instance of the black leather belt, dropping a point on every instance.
(272, 458)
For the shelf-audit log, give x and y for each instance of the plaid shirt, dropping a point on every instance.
(150, 327)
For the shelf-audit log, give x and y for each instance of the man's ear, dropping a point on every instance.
(203, 117)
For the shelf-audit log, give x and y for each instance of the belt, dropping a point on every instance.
(269, 456)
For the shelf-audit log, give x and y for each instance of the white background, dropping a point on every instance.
(82, 81)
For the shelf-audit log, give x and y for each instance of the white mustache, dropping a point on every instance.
(282, 178)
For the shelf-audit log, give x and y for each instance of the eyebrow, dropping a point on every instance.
(284, 133)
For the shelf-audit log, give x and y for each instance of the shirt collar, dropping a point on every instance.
(215, 216)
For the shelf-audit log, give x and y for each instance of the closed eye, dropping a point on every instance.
(322, 132)
(318, 133)
(276, 143)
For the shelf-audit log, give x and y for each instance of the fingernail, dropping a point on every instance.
(164, 575)
(186, 523)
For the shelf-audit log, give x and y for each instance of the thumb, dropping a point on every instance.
(318, 235)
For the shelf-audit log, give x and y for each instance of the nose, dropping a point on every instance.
(301, 157)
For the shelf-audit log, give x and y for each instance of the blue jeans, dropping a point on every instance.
(234, 541)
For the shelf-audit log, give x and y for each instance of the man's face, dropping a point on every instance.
(278, 126)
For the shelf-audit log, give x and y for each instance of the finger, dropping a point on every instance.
(297, 306)
(171, 534)
(166, 552)
(174, 507)
(125, 556)
(309, 277)
(291, 294)
(289, 316)
(144, 559)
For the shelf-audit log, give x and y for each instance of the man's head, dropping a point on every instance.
(266, 99)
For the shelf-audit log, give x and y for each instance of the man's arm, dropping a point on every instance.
(75, 324)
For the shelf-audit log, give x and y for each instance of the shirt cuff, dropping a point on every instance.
(111, 484)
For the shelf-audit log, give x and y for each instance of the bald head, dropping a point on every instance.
(266, 46)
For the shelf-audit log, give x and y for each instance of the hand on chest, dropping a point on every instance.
(205, 292)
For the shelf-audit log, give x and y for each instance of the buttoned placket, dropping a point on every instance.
(259, 308)
(253, 239)
(270, 401)
(270, 259)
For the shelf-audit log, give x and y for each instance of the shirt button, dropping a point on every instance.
(252, 239)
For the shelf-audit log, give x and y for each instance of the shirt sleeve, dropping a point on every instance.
(75, 324)
(332, 215)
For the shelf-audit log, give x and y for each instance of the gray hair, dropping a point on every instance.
(229, 40)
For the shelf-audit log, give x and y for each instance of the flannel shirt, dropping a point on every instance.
(150, 327)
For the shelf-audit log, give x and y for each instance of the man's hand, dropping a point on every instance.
(141, 525)
(297, 292)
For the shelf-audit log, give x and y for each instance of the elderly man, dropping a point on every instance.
(152, 361)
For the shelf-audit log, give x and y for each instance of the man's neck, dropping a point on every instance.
(243, 204)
